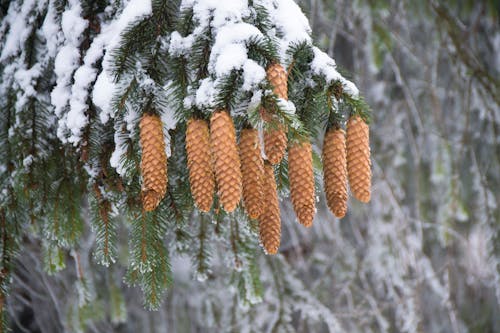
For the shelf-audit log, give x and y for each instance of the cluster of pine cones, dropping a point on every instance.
(215, 160)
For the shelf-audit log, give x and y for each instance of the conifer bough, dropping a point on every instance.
(122, 69)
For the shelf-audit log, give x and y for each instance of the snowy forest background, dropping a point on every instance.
(423, 256)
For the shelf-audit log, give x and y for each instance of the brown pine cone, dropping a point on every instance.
(278, 77)
(301, 177)
(275, 139)
(275, 144)
(153, 161)
(199, 161)
(335, 171)
(226, 160)
(269, 220)
(358, 158)
(252, 171)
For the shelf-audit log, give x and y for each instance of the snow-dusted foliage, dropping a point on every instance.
(75, 79)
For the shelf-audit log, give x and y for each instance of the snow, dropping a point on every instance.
(66, 62)
(180, 45)
(109, 39)
(101, 96)
(51, 32)
(231, 34)
(325, 66)
(205, 93)
(229, 52)
(19, 21)
(73, 24)
(290, 22)
(131, 118)
(232, 56)
(116, 156)
(217, 13)
(26, 78)
(253, 75)
(27, 161)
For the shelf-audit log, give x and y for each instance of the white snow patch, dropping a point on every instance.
(20, 23)
(220, 11)
(109, 39)
(205, 93)
(291, 25)
(180, 45)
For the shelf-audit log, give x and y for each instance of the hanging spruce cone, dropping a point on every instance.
(252, 171)
(153, 161)
(278, 77)
(335, 171)
(300, 174)
(275, 136)
(275, 143)
(358, 158)
(269, 220)
(226, 159)
(199, 161)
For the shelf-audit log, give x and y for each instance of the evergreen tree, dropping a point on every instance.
(95, 95)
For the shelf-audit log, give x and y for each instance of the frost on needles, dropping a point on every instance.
(76, 78)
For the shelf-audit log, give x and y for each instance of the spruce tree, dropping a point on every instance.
(94, 94)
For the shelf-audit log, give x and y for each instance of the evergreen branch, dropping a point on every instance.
(202, 256)
(104, 227)
(358, 106)
(228, 90)
(234, 238)
(200, 54)
(262, 50)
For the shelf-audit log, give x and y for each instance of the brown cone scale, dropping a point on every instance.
(153, 161)
(301, 177)
(358, 159)
(278, 78)
(226, 160)
(275, 144)
(199, 161)
(252, 171)
(335, 171)
(269, 220)
(275, 140)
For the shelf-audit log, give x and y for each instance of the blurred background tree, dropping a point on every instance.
(423, 256)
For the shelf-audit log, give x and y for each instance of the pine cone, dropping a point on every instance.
(278, 77)
(300, 174)
(358, 158)
(153, 161)
(252, 171)
(199, 161)
(275, 144)
(274, 138)
(226, 159)
(335, 171)
(269, 220)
